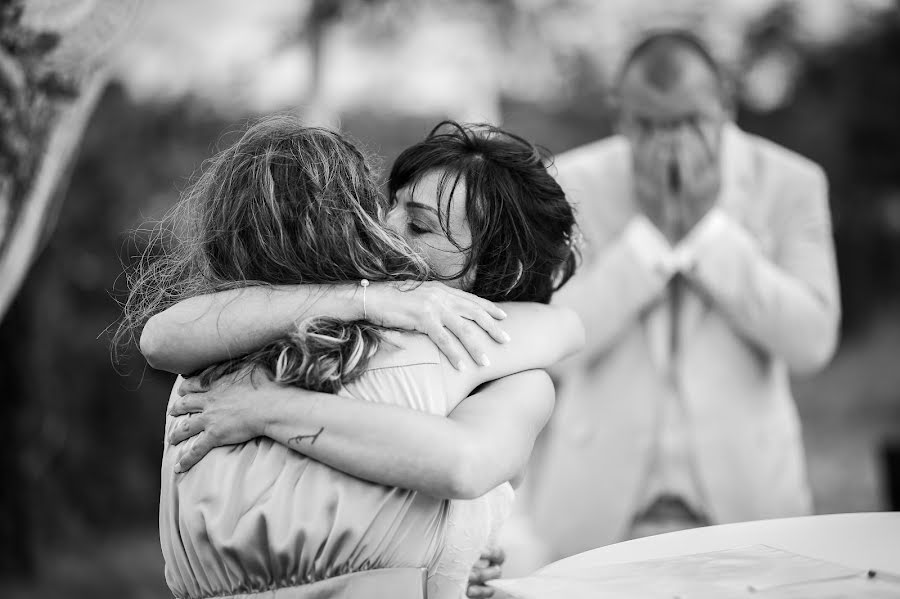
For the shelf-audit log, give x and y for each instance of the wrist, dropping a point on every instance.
(363, 304)
(348, 301)
(357, 305)
(372, 299)
(269, 406)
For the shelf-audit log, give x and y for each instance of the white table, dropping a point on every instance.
(864, 541)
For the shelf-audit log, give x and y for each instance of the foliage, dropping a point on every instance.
(27, 94)
(844, 116)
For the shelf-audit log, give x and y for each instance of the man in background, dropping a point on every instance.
(709, 275)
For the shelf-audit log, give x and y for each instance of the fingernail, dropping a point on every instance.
(178, 468)
(502, 314)
(504, 337)
(485, 361)
(460, 365)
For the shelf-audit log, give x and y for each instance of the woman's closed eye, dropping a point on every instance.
(418, 227)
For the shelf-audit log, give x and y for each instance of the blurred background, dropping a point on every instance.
(109, 106)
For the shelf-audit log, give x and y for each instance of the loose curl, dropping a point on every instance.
(321, 354)
(286, 204)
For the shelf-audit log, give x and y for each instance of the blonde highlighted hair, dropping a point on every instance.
(285, 204)
(321, 354)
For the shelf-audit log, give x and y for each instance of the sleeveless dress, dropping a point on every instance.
(257, 517)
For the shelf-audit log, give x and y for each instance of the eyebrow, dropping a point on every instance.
(421, 206)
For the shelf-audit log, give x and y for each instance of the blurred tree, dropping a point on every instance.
(843, 114)
(49, 84)
(43, 112)
(87, 440)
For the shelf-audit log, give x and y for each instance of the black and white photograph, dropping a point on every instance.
(445, 299)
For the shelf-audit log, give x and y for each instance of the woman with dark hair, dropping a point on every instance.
(293, 206)
(510, 227)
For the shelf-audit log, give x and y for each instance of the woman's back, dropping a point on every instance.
(258, 516)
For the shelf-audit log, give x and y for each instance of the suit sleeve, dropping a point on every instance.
(788, 305)
(623, 272)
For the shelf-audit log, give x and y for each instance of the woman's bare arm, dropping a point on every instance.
(484, 442)
(234, 410)
(541, 335)
(206, 329)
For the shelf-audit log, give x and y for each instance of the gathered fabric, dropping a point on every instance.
(258, 517)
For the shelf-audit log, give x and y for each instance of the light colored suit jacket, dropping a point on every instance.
(763, 301)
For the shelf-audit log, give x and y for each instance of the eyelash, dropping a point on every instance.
(416, 228)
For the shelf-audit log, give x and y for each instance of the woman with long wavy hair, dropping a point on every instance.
(331, 452)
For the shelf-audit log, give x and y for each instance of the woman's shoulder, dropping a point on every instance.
(405, 371)
(403, 348)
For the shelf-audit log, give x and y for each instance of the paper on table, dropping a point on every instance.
(856, 587)
(758, 569)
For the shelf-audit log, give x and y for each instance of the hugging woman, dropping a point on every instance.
(339, 442)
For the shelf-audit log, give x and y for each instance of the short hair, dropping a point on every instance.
(522, 225)
(662, 55)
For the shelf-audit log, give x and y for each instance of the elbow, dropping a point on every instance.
(575, 336)
(821, 345)
(465, 480)
(579, 337)
(152, 345)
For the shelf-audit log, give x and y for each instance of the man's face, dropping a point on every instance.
(675, 133)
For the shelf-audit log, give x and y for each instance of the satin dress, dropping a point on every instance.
(257, 517)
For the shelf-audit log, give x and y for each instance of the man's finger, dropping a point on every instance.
(199, 448)
(188, 404)
(186, 427)
(482, 575)
(479, 592)
(495, 555)
(191, 385)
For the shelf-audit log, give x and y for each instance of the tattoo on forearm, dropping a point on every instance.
(300, 438)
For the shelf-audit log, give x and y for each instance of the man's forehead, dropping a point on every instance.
(697, 91)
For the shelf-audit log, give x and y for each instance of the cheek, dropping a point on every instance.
(442, 256)
(396, 222)
(446, 261)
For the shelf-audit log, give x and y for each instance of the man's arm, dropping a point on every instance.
(615, 286)
(626, 256)
(789, 306)
(483, 443)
